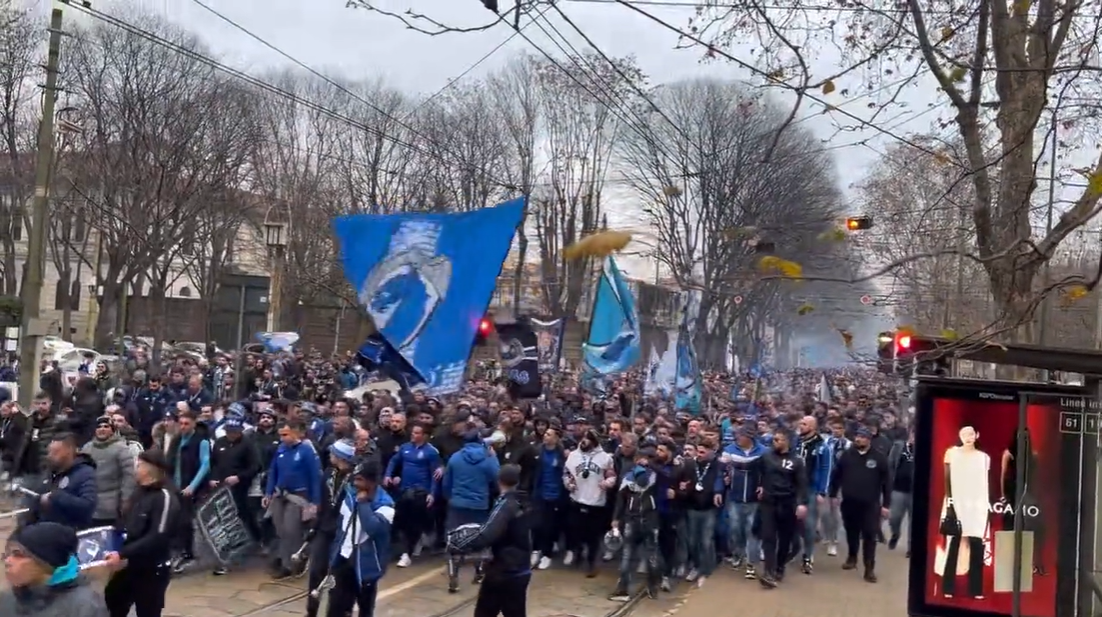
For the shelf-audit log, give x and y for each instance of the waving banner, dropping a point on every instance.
(426, 280)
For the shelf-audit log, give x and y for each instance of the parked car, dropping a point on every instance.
(71, 359)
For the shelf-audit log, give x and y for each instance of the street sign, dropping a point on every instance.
(738, 300)
(866, 300)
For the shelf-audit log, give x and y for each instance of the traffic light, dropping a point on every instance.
(485, 329)
(905, 354)
(859, 223)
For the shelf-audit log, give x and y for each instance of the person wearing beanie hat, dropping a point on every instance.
(114, 471)
(234, 463)
(506, 535)
(337, 480)
(361, 549)
(140, 567)
(42, 569)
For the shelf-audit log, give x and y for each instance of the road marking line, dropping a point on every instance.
(413, 582)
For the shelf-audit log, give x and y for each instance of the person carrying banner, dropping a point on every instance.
(506, 533)
(41, 566)
(342, 460)
(234, 464)
(142, 565)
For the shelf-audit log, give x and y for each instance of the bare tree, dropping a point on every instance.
(162, 133)
(462, 149)
(713, 200)
(19, 116)
(298, 171)
(922, 208)
(517, 103)
(1005, 68)
(583, 115)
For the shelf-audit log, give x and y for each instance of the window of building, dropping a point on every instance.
(185, 292)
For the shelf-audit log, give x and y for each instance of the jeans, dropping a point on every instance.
(701, 536)
(831, 517)
(640, 546)
(744, 544)
(900, 507)
(810, 526)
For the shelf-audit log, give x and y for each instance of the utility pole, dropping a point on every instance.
(33, 327)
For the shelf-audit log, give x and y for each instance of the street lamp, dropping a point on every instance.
(275, 238)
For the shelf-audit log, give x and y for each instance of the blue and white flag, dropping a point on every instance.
(687, 383)
(613, 344)
(426, 280)
(277, 341)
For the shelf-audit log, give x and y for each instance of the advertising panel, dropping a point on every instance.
(967, 442)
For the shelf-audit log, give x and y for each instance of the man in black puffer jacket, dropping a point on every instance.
(504, 591)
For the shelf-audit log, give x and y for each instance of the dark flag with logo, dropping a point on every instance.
(520, 359)
(549, 336)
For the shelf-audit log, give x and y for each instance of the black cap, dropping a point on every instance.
(368, 470)
(509, 475)
(51, 543)
(155, 458)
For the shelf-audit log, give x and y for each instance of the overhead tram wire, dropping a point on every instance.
(452, 82)
(620, 72)
(340, 87)
(746, 65)
(578, 59)
(776, 6)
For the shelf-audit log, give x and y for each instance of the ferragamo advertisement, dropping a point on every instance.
(967, 442)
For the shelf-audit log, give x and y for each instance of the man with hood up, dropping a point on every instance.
(41, 567)
(114, 462)
(468, 482)
(68, 493)
(635, 519)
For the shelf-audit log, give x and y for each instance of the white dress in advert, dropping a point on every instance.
(969, 470)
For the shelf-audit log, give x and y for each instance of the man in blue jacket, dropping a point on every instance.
(742, 499)
(68, 493)
(411, 474)
(468, 480)
(361, 550)
(292, 494)
(815, 452)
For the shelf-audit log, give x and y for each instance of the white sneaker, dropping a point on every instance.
(700, 581)
(568, 558)
(535, 558)
(679, 572)
(692, 575)
(607, 556)
(545, 562)
(832, 550)
(404, 561)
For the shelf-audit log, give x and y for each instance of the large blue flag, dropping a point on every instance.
(613, 344)
(426, 280)
(687, 383)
